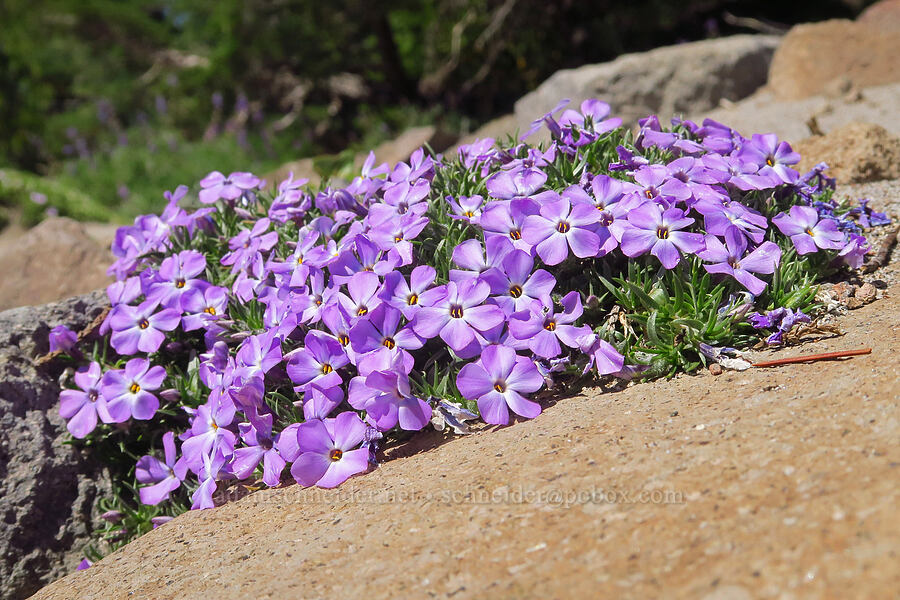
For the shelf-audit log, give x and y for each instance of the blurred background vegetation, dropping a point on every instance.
(104, 104)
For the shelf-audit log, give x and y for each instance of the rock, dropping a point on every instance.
(764, 113)
(715, 369)
(884, 15)
(669, 80)
(855, 153)
(47, 489)
(56, 259)
(866, 293)
(853, 303)
(814, 54)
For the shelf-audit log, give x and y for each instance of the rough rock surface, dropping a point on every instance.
(56, 259)
(855, 153)
(768, 483)
(813, 55)
(668, 81)
(47, 489)
(763, 113)
(884, 14)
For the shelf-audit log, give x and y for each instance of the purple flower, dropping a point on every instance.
(257, 434)
(657, 231)
(79, 407)
(203, 307)
(387, 399)
(457, 315)
(771, 157)
(729, 258)
(476, 258)
(467, 208)
(607, 196)
(409, 297)
(329, 452)
(363, 288)
(560, 226)
(381, 329)
(126, 392)
(657, 183)
(62, 339)
(216, 185)
(506, 185)
(514, 285)
(807, 232)
(541, 332)
(166, 476)
(507, 218)
(719, 218)
(258, 354)
(140, 328)
(855, 250)
(602, 355)
(247, 248)
(176, 276)
(209, 436)
(317, 362)
(496, 380)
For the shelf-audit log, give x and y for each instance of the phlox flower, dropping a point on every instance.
(515, 286)
(329, 451)
(807, 232)
(410, 297)
(498, 380)
(164, 475)
(62, 339)
(126, 392)
(458, 313)
(140, 328)
(729, 258)
(216, 185)
(79, 407)
(260, 447)
(541, 331)
(655, 230)
(559, 226)
(317, 362)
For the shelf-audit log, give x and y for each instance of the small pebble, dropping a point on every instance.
(715, 369)
(866, 293)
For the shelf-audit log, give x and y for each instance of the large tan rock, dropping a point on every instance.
(855, 153)
(813, 56)
(884, 14)
(55, 260)
(791, 119)
(670, 80)
(770, 483)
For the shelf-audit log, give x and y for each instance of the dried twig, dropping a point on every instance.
(92, 327)
(883, 253)
(812, 357)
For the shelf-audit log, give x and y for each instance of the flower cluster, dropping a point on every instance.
(295, 331)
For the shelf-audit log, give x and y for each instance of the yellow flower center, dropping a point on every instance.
(344, 339)
(515, 291)
(412, 299)
(144, 324)
(389, 343)
(500, 386)
(361, 311)
(562, 227)
(210, 310)
(662, 233)
(134, 388)
(335, 455)
(456, 311)
(515, 234)
(550, 325)
(326, 369)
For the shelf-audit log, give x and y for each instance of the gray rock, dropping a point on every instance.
(667, 81)
(763, 113)
(47, 489)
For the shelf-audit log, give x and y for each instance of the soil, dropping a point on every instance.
(769, 483)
